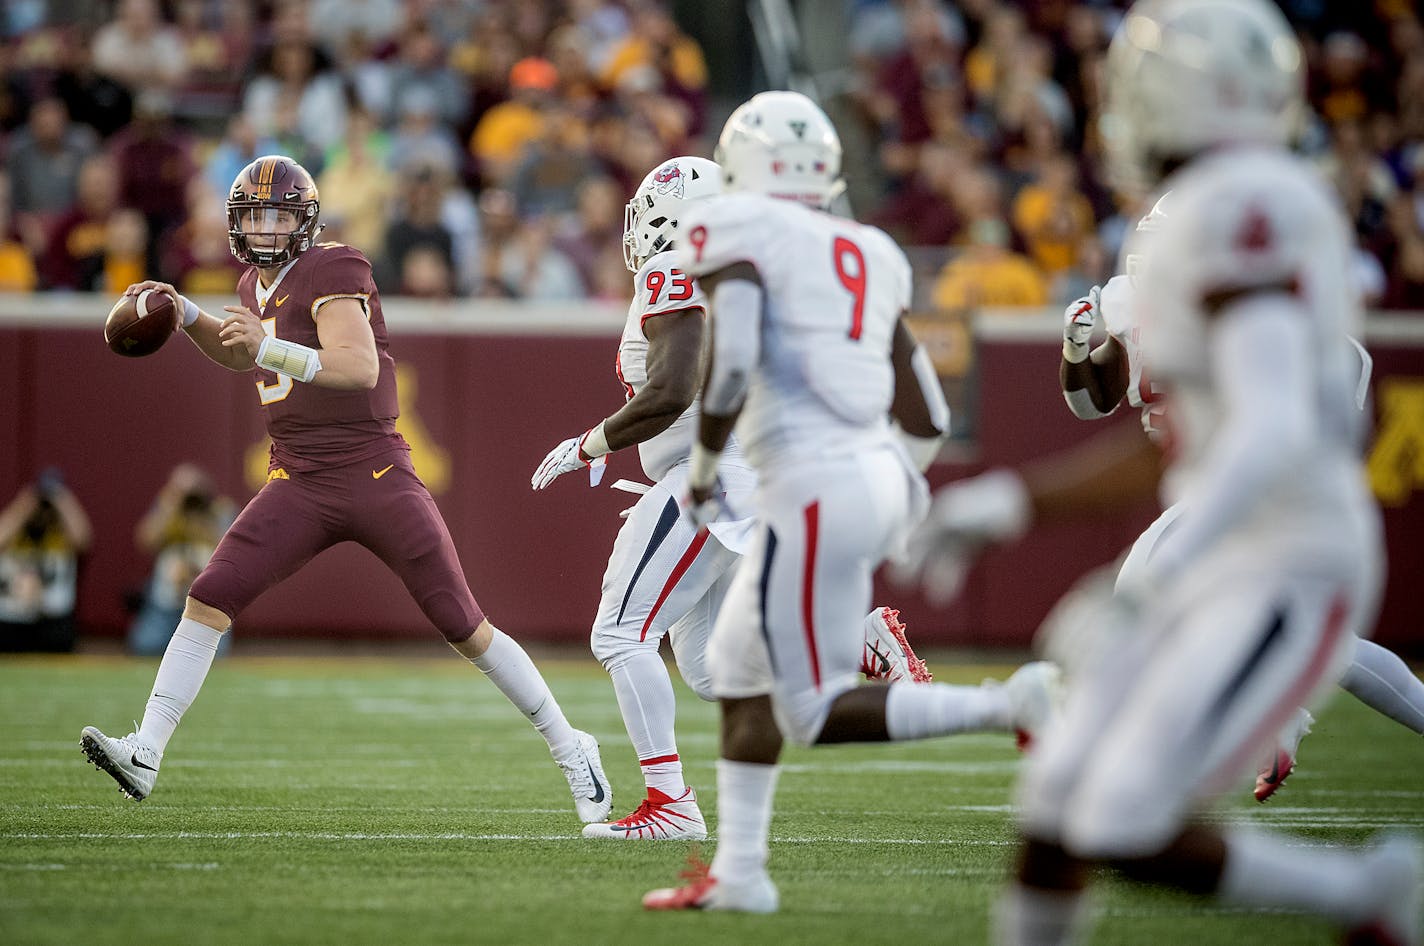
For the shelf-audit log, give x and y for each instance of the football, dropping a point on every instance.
(139, 325)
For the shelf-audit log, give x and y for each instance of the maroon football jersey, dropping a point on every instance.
(311, 426)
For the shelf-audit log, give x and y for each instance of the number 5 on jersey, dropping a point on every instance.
(279, 389)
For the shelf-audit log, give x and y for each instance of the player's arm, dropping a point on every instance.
(347, 358)
(201, 328)
(1095, 381)
(734, 326)
(919, 407)
(674, 346)
(1261, 368)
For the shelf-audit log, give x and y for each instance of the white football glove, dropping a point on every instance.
(963, 519)
(565, 458)
(1078, 321)
(700, 514)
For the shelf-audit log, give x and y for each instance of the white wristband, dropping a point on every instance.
(594, 443)
(295, 361)
(702, 473)
(190, 310)
(1074, 353)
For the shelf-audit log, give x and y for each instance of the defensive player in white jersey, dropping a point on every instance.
(1251, 599)
(808, 347)
(666, 577)
(1096, 380)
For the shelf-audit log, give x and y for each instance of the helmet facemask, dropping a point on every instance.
(247, 219)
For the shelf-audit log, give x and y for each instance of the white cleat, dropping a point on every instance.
(705, 892)
(1281, 763)
(1035, 692)
(133, 764)
(659, 818)
(886, 654)
(1396, 870)
(593, 796)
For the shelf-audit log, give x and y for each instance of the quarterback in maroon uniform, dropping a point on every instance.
(309, 327)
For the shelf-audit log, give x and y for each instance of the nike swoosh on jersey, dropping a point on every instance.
(278, 301)
(377, 474)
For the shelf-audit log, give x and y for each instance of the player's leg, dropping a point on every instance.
(278, 532)
(1383, 682)
(1247, 649)
(398, 520)
(747, 770)
(661, 574)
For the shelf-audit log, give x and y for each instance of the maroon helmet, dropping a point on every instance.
(268, 185)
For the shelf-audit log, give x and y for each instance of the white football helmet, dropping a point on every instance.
(1148, 224)
(650, 218)
(1185, 75)
(781, 144)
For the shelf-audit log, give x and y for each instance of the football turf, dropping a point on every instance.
(313, 800)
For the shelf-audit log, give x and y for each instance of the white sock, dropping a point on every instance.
(181, 673)
(1268, 870)
(744, 793)
(510, 669)
(922, 710)
(1383, 682)
(649, 709)
(1028, 916)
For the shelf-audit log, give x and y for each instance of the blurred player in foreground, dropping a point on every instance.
(310, 328)
(1096, 381)
(1248, 605)
(808, 347)
(666, 577)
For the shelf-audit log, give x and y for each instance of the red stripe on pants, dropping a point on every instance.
(658, 759)
(808, 589)
(1330, 631)
(678, 570)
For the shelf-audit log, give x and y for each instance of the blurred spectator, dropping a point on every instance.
(1365, 184)
(44, 161)
(295, 94)
(579, 87)
(988, 273)
(595, 228)
(94, 100)
(140, 50)
(75, 258)
(17, 263)
(126, 248)
(239, 147)
(604, 24)
(928, 61)
(420, 140)
(180, 530)
(987, 65)
(155, 163)
(547, 178)
(656, 41)
(214, 58)
(1406, 218)
(416, 224)
(425, 274)
(43, 534)
(198, 259)
(1052, 217)
(355, 187)
(1346, 88)
(484, 56)
(507, 129)
(522, 262)
(880, 31)
(421, 67)
(334, 23)
(922, 212)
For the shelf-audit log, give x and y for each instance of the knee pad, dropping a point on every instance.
(609, 647)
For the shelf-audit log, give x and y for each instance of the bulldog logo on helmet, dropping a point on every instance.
(669, 180)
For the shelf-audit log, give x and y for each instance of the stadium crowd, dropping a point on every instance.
(486, 147)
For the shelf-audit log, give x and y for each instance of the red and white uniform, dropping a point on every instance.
(662, 577)
(1252, 596)
(836, 491)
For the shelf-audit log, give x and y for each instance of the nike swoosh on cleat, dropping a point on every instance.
(597, 795)
(133, 760)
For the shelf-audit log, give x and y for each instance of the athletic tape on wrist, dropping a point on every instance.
(190, 311)
(1075, 353)
(594, 443)
(702, 473)
(297, 362)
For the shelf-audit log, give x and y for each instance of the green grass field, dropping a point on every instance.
(353, 801)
